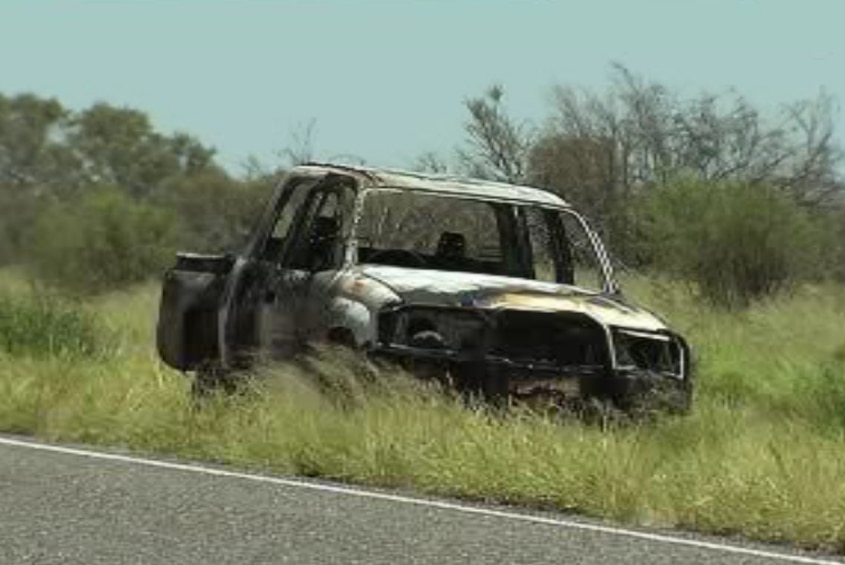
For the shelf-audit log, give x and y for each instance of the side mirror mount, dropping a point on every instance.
(219, 264)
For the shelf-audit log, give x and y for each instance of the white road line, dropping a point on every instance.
(194, 468)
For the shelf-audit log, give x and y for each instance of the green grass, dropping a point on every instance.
(40, 324)
(762, 454)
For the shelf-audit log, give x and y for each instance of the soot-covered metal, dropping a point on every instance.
(498, 290)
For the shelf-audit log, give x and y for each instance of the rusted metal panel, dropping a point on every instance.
(498, 334)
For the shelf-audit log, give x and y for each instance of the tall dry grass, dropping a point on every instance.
(762, 454)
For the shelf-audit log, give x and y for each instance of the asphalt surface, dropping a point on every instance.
(65, 507)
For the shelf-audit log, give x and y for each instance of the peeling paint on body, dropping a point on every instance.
(488, 332)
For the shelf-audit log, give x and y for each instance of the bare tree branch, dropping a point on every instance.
(497, 146)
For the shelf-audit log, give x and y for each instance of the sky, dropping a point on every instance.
(386, 80)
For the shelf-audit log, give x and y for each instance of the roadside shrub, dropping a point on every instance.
(737, 242)
(18, 209)
(100, 241)
(838, 220)
(43, 326)
(828, 392)
(217, 213)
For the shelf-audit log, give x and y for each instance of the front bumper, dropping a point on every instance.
(569, 356)
(496, 378)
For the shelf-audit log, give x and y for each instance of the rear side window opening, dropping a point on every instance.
(444, 232)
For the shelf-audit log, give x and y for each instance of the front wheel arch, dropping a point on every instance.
(342, 336)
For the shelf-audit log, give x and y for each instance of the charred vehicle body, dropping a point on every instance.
(503, 290)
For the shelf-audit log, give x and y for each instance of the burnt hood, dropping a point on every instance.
(475, 290)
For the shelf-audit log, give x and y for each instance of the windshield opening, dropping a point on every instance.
(433, 231)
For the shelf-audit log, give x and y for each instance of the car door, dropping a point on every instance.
(186, 331)
(272, 311)
(237, 331)
(294, 310)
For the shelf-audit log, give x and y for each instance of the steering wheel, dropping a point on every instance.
(398, 258)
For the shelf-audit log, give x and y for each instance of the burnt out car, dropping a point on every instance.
(501, 290)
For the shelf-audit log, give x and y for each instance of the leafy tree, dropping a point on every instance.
(32, 148)
(48, 152)
(738, 242)
(102, 240)
(583, 171)
(45, 147)
(216, 212)
(118, 146)
(651, 134)
(18, 212)
(603, 150)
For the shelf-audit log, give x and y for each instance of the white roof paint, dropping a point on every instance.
(447, 184)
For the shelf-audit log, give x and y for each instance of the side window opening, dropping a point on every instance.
(546, 263)
(431, 231)
(318, 243)
(283, 228)
(560, 249)
(311, 227)
(581, 254)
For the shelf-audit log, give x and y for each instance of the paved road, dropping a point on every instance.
(61, 505)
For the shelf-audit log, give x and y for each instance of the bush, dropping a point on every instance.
(738, 242)
(18, 210)
(217, 213)
(100, 241)
(42, 326)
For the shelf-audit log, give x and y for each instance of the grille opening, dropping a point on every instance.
(652, 354)
(419, 325)
(387, 326)
(459, 330)
(556, 339)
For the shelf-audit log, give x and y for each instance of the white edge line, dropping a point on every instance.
(195, 468)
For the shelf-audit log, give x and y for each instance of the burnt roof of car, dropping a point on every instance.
(441, 183)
